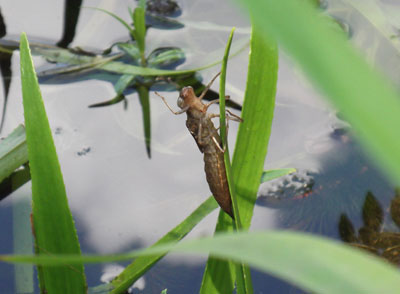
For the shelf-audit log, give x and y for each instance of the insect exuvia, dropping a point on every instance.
(208, 140)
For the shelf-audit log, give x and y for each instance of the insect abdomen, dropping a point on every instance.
(214, 166)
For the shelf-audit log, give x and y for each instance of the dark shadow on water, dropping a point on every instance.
(6, 247)
(5, 69)
(71, 15)
(314, 202)
(378, 235)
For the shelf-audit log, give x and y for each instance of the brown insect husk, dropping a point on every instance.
(209, 142)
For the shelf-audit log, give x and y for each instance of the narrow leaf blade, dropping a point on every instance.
(53, 225)
(140, 29)
(257, 113)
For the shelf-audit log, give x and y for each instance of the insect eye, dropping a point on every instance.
(180, 102)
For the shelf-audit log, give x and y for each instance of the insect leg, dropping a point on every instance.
(215, 101)
(211, 102)
(208, 86)
(169, 107)
(212, 115)
(233, 116)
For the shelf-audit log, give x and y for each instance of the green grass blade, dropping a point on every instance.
(315, 264)
(106, 63)
(219, 275)
(243, 276)
(142, 264)
(143, 92)
(272, 174)
(53, 225)
(254, 132)
(13, 152)
(252, 141)
(364, 97)
(140, 31)
(223, 133)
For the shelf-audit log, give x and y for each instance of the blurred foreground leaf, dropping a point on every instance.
(307, 261)
(364, 96)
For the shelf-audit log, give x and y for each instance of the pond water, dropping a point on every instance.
(121, 199)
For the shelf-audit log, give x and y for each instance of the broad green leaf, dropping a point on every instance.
(308, 261)
(275, 173)
(364, 97)
(52, 223)
(13, 152)
(142, 264)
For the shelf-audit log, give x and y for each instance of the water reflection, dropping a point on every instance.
(375, 235)
(5, 69)
(71, 15)
(313, 201)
